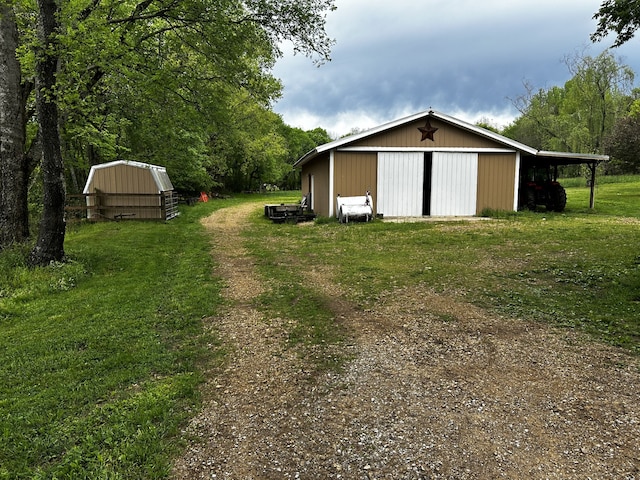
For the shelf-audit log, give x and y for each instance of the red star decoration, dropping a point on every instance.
(427, 131)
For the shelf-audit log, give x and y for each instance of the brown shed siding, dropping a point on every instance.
(128, 206)
(409, 136)
(355, 173)
(124, 179)
(125, 191)
(319, 168)
(353, 163)
(496, 181)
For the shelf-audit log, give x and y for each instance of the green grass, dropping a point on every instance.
(100, 356)
(311, 323)
(571, 182)
(577, 269)
(611, 199)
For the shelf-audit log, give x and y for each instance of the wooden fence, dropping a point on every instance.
(118, 206)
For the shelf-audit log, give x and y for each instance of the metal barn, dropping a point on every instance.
(427, 164)
(130, 190)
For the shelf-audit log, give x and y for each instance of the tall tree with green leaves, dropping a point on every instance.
(623, 145)
(598, 93)
(298, 143)
(577, 116)
(539, 124)
(155, 79)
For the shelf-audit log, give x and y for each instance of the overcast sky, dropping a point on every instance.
(465, 58)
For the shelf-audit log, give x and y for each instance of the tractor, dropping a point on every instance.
(540, 186)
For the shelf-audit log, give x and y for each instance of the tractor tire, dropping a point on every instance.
(557, 198)
(531, 199)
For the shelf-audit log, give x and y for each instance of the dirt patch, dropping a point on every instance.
(437, 388)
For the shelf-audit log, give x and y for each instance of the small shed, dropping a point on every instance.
(426, 164)
(130, 190)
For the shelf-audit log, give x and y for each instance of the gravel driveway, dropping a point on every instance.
(436, 388)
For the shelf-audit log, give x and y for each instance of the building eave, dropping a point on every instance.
(577, 157)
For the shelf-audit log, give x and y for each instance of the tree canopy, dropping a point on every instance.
(166, 81)
(619, 16)
(623, 144)
(596, 111)
(580, 115)
(186, 84)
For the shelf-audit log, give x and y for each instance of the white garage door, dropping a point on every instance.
(454, 184)
(400, 184)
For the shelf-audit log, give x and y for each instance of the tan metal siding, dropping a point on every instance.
(319, 168)
(124, 179)
(145, 206)
(496, 181)
(446, 136)
(354, 174)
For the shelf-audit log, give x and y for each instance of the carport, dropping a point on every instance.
(552, 160)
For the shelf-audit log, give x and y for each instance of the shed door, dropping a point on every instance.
(400, 184)
(312, 192)
(454, 184)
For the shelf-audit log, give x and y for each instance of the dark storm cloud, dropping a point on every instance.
(465, 58)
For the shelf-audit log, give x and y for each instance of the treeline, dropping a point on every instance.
(186, 84)
(596, 111)
(183, 84)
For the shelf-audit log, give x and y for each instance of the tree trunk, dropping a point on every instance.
(14, 217)
(50, 244)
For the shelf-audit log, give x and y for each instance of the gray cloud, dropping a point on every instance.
(458, 56)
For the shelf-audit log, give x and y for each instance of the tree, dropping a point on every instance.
(159, 54)
(253, 146)
(539, 125)
(183, 62)
(298, 143)
(50, 244)
(487, 124)
(619, 16)
(577, 116)
(623, 144)
(598, 93)
(14, 221)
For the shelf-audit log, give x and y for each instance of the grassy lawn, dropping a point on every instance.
(578, 269)
(101, 357)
